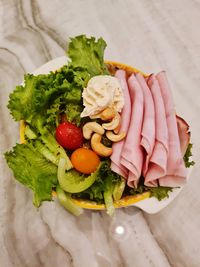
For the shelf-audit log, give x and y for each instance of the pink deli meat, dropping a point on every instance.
(116, 166)
(158, 161)
(148, 126)
(184, 134)
(154, 146)
(176, 172)
(132, 153)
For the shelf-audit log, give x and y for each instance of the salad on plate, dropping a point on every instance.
(97, 134)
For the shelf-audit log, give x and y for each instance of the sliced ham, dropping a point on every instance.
(132, 153)
(156, 138)
(158, 161)
(116, 166)
(184, 134)
(148, 126)
(176, 172)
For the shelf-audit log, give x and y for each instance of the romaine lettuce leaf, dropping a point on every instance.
(88, 53)
(33, 170)
(45, 143)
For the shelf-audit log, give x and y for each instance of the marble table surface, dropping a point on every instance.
(150, 34)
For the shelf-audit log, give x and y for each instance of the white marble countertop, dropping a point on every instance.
(150, 35)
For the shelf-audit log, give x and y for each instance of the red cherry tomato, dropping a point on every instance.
(69, 136)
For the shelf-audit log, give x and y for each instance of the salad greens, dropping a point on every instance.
(41, 163)
(33, 170)
(45, 96)
(87, 53)
(102, 189)
(187, 156)
(39, 102)
(72, 181)
(159, 192)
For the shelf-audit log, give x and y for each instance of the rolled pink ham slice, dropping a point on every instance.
(158, 161)
(116, 166)
(148, 126)
(176, 171)
(132, 153)
(184, 134)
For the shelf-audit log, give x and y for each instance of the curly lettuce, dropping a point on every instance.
(187, 157)
(33, 170)
(88, 53)
(49, 95)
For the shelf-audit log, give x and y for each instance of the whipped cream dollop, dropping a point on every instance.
(101, 92)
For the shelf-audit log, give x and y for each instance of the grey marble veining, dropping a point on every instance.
(150, 35)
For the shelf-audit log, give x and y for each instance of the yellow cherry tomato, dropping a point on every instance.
(85, 160)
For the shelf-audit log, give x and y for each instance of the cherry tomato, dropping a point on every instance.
(69, 136)
(85, 160)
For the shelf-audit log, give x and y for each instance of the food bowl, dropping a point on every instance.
(143, 201)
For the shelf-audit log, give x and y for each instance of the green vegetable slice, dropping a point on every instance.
(109, 202)
(66, 201)
(46, 152)
(33, 170)
(29, 133)
(72, 181)
(55, 148)
(119, 189)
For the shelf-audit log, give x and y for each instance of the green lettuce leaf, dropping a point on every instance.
(103, 188)
(159, 192)
(88, 53)
(45, 143)
(33, 170)
(32, 97)
(187, 156)
(49, 95)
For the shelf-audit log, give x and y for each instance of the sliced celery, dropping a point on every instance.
(119, 189)
(72, 181)
(109, 202)
(66, 201)
(30, 133)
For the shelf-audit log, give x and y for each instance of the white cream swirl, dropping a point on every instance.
(101, 92)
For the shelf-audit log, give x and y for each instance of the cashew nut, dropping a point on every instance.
(116, 130)
(96, 116)
(107, 114)
(98, 147)
(91, 127)
(115, 137)
(113, 124)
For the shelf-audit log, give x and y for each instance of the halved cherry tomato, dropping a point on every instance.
(85, 160)
(69, 136)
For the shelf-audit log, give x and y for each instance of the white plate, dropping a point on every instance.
(149, 205)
